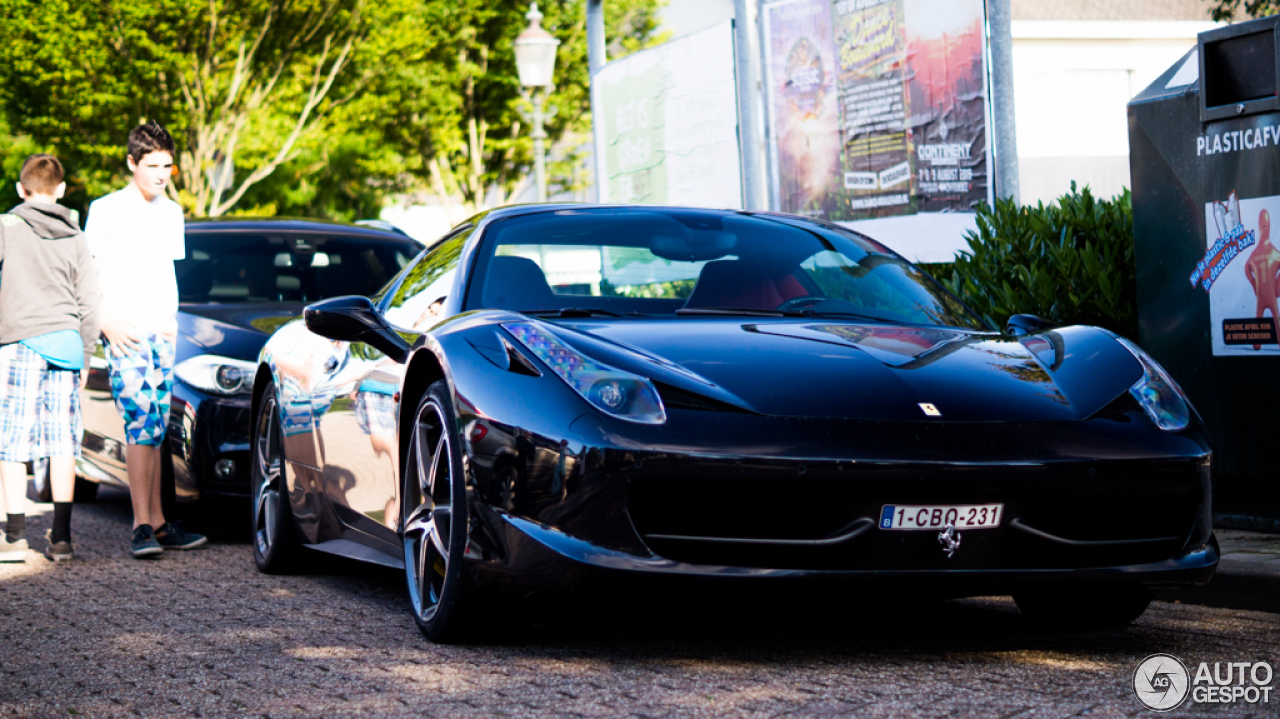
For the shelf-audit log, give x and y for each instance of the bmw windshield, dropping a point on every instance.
(659, 261)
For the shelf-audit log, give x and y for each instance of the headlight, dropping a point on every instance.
(219, 375)
(613, 391)
(1158, 395)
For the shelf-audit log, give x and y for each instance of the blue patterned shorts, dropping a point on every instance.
(142, 385)
(39, 407)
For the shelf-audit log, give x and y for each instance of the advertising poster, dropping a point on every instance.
(670, 135)
(1239, 272)
(870, 42)
(907, 82)
(947, 100)
(803, 99)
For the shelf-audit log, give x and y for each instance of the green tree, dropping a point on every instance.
(456, 113)
(247, 86)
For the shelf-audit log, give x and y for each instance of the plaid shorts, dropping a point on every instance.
(376, 413)
(39, 407)
(142, 385)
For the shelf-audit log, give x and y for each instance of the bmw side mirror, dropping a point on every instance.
(354, 319)
(1019, 325)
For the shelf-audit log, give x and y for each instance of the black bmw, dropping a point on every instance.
(555, 397)
(241, 279)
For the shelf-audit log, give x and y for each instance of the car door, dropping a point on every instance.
(355, 402)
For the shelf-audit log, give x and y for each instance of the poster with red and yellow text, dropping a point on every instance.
(907, 82)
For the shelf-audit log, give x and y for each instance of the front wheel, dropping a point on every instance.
(276, 548)
(1084, 607)
(434, 515)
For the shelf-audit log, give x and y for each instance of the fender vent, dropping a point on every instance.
(676, 398)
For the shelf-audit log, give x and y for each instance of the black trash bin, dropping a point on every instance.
(1204, 144)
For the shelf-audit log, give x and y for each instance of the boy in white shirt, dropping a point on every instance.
(136, 234)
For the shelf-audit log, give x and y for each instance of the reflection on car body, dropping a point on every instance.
(590, 396)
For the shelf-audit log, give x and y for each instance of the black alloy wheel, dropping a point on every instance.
(434, 515)
(276, 547)
(1085, 606)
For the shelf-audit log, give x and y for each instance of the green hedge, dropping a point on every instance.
(1070, 262)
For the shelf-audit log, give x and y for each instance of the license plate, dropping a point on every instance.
(963, 516)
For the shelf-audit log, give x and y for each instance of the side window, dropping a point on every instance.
(417, 301)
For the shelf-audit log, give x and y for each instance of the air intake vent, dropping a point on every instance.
(676, 398)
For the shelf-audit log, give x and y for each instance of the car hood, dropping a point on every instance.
(851, 370)
(235, 331)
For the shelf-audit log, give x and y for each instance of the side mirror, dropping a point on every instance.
(1019, 325)
(354, 319)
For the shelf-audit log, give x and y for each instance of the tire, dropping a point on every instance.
(1087, 607)
(86, 491)
(433, 519)
(276, 547)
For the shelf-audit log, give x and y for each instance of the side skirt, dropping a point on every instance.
(357, 551)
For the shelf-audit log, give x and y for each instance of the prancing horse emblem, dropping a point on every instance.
(949, 538)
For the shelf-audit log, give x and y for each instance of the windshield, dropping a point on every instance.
(691, 262)
(226, 267)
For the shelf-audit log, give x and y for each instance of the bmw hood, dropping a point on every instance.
(848, 370)
(235, 331)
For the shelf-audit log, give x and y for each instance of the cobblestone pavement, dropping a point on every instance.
(203, 634)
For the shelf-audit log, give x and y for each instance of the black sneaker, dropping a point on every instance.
(144, 542)
(171, 536)
(56, 551)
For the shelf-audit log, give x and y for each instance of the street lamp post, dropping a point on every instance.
(536, 61)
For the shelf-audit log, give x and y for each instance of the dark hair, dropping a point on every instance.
(41, 173)
(148, 138)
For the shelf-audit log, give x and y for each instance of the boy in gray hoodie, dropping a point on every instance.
(48, 327)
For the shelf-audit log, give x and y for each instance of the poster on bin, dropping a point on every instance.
(878, 107)
(1239, 272)
(670, 124)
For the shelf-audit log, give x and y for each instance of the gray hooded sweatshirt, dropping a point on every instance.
(48, 278)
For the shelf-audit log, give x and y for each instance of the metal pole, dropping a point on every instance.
(754, 186)
(595, 60)
(1004, 133)
(539, 135)
(595, 36)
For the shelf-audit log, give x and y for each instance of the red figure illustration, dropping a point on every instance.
(1262, 268)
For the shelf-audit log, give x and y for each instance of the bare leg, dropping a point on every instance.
(14, 498)
(62, 478)
(157, 508)
(143, 462)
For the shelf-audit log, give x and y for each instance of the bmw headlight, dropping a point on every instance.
(1158, 395)
(612, 391)
(218, 375)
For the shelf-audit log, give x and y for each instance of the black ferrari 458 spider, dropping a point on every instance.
(554, 398)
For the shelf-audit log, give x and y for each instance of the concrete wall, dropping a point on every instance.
(1072, 80)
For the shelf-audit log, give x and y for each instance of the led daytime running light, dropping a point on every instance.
(611, 390)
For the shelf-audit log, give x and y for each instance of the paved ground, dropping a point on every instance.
(203, 634)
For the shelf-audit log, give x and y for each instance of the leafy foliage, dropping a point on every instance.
(321, 107)
(1071, 262)
(459, 115)
(1225, 10)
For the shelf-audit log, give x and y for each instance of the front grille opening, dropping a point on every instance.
(676, 398)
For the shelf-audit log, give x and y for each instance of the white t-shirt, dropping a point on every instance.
(136, 242)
